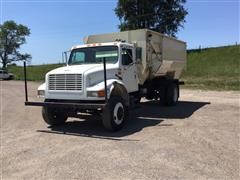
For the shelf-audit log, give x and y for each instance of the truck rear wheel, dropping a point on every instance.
(114, 114)
(171, 94)
(54, 116)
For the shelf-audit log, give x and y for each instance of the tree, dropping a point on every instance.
(164, 16)
(12, 36)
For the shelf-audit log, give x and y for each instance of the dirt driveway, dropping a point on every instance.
(197, 139)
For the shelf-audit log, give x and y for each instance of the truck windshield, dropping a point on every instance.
(94, 55)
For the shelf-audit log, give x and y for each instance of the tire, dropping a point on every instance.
(171, 94)
(54, 116)
(114, 114)
(162, 95)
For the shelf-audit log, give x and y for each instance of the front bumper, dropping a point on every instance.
(75, 105)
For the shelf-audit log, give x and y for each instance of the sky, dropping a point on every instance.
(57, 25)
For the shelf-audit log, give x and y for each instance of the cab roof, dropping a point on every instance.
(116, 43)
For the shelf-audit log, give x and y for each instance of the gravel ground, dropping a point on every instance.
(197, 139)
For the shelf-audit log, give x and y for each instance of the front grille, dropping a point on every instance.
(68, 82)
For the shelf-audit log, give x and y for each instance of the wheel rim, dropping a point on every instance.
(118, 113)
(175, 94)
(54, 114)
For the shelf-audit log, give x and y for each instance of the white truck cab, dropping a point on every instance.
(109, 73)
(82, 78)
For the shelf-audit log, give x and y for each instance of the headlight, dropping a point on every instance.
(41, 93)
(100, 93)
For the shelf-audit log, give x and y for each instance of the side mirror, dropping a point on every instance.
(65, 56)
(126, 60)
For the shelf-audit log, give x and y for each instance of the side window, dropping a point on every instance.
(79, 57)
(127, 56)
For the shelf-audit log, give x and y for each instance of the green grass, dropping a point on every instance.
(34, 73)
(211, 68)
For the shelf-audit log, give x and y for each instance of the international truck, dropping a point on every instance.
(110, 73)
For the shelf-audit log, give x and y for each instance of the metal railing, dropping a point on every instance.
(83, 105)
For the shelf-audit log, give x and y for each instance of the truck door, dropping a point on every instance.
(129, 70)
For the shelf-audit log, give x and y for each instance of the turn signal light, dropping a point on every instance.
(101, 93)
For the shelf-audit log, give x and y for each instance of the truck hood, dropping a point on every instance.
(77, 69)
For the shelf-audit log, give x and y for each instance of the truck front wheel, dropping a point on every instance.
(54, 116)
(114, 114)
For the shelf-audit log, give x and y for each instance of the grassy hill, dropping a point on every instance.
(211, 68)
(34, 73)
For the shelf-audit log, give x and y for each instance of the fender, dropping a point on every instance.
(115, 87)
(118, 88)
(42, 87)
